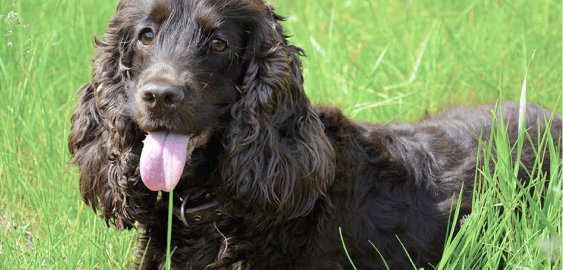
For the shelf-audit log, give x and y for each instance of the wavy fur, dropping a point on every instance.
(288, 175)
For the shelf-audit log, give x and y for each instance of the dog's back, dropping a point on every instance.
(405, 176)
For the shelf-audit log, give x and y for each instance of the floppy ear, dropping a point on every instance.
(278, 160)
(104, 142)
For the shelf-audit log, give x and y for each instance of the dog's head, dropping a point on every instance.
(171, 77)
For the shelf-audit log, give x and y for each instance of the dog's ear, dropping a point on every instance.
(104, 142)
(278, 160)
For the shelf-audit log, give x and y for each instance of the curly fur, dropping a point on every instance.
(287, 174)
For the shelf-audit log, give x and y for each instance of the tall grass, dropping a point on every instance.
(380, 61)
(512, 226)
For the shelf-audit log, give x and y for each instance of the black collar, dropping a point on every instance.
(197, 207)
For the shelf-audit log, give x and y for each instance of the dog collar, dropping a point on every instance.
(198, 208)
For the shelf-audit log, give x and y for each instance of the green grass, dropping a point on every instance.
(380, 61)
(509, 226)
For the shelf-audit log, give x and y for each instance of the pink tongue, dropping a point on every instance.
(163, 159)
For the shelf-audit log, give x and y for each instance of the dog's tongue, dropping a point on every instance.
(163, 158)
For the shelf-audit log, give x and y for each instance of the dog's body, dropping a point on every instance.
(215, 87)
(391, 182)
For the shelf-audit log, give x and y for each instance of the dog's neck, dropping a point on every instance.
(198, 206)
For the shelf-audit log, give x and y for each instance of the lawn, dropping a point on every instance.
(378, 60)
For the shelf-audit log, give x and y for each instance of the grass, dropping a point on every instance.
(380, 61)
(511, 227)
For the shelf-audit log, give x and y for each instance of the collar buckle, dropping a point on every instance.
(198, 208)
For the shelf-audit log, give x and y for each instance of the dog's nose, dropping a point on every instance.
(162, 98)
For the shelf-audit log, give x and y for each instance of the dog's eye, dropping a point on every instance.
(218, 45)
(147, 37)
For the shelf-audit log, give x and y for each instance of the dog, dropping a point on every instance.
(203, 100)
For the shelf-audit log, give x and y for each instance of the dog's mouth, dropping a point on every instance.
(164, 155)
